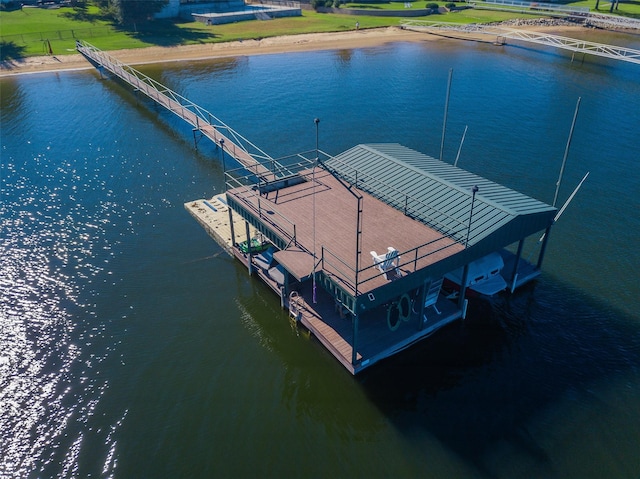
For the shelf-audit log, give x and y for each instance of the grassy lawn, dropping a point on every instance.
(29, 32)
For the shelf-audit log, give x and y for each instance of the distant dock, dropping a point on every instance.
(503, 34)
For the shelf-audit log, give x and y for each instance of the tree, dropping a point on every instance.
(132, 11)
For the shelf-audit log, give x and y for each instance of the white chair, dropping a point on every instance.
(388, 262)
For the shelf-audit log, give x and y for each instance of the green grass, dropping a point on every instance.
(25, 33)
(386, 5)
(629, 8)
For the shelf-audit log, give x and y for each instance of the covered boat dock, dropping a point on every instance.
(357, 244)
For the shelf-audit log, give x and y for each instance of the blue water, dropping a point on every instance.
(131, 347)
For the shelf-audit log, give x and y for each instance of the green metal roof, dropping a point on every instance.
(440, 195)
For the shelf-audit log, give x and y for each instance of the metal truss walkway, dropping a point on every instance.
(252, 158)
(502, 34)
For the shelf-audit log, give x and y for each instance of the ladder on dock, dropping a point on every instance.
(501, 33)
(252, 158)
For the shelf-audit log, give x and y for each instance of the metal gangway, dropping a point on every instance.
(252, 158)
(503, 33)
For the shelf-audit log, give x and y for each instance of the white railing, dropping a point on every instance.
(582, 46)
(173, 101)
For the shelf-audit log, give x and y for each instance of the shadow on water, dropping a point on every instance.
(480, 384)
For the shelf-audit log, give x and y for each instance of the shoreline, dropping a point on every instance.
(282, 44)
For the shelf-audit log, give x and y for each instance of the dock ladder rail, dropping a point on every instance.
(296, 303)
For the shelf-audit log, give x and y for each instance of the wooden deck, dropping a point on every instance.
(333, 326)
(213, 216)
(325, 215)
(375, 341)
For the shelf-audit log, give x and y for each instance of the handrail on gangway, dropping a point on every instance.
(571, 44)
(237, 146)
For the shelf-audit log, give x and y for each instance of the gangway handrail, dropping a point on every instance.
(245, 192)
(198, 114)
(599, 49)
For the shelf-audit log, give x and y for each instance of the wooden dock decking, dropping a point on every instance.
(375, 341)
(213, 216)
(325, 318)
(324, 212)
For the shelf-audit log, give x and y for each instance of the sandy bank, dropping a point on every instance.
(289, 43)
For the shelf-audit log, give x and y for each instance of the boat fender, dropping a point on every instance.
(404, 307)
(393, 316)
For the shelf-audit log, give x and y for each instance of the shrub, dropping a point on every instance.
(431, 6)
(315, 4)
(450, 5)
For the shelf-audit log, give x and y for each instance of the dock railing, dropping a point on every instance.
(353, 281)
(501, 33)
(234, 144)
(247, 189)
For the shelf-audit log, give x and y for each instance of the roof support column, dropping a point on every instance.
(423, 299)
(354, 351)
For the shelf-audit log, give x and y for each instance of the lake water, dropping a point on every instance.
(131, 347)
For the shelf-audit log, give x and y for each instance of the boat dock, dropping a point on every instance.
(325, 226)
(355, 245)
(213, 216)
(323, 311)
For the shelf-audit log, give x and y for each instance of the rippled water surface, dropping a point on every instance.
(131, 347)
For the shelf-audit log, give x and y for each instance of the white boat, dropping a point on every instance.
(484, 276)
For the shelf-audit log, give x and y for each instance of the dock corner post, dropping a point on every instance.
(423, 299)
(354, 351)
(463, 286)
(514, 272)
(233, 234)
(246, 224)
(543, 247)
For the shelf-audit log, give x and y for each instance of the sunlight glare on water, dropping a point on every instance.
(51, 233)
(132, 346)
